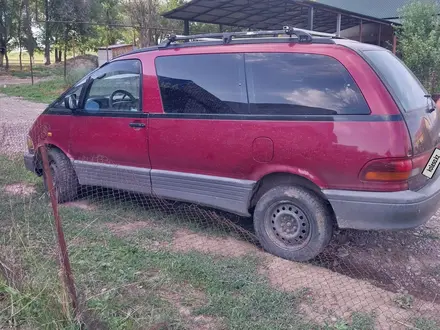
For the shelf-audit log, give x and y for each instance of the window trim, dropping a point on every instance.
(106, 112)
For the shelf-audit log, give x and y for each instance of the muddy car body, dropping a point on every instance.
(303, 133)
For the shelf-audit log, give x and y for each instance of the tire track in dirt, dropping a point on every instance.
(332, 295)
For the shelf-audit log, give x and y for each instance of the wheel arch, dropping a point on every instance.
(274, 179)
(39, 161)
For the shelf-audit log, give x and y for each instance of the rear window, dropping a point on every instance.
(301, 84)
(400, 81)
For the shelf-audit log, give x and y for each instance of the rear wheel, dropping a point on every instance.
(64, 177)
(293, 223)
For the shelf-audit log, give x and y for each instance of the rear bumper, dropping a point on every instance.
(30, 162)
(385, 210)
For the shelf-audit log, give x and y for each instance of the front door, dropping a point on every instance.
(108, 135)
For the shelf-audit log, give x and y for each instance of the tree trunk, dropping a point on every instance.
(20, 58)
(47, 35)
(6, 61)
(20, 47)
(65, 52)
(32, 69)
(1, 60)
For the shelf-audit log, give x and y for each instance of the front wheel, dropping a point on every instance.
(63, 176)
(293, 223)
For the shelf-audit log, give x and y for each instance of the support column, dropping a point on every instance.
(186, 27)
(220, 28)
(310, 19)
(380, 35)
(394, 43)
(338, 25)
(361, 30)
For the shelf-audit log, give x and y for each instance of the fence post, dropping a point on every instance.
(65, 263)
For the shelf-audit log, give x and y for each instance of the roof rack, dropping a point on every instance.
(304, 36)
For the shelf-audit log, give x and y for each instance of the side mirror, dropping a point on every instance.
(70, 102)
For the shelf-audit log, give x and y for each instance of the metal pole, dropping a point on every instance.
(380, 35)
(310, 19)
(65, 263)
(338, 25)
(361, 27)
(186, 27)
(394, 44)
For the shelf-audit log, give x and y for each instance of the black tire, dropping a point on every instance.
(64, 177)
(293, 223)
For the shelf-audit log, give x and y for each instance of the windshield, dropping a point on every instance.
(401, 82)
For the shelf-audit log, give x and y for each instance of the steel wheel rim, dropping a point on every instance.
(288, 226)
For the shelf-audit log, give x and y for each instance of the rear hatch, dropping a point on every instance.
(416, 105)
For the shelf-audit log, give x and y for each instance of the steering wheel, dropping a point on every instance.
(124, 94)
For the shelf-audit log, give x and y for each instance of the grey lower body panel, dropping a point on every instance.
(221, 193)
(226, 194)
(385, 210)
(134, 179)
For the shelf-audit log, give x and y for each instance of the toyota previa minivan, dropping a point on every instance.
(302, 133)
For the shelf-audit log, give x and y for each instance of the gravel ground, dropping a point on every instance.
(16, 117)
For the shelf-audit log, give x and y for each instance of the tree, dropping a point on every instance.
(8, 26)
(29, 40)
(46, 33)
(144, 13)
(419, 41)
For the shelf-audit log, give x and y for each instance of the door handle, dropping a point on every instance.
(137, 125)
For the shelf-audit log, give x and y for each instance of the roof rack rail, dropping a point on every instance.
(304, 36)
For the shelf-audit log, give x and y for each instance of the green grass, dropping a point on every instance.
(122, 283)
(40, 71)
(14, 57)
(426, 324)
(42, 92)
(12, 171)
(359, 321)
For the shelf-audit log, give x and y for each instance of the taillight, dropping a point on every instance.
(387, 170)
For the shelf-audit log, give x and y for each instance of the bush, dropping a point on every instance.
(419, 40)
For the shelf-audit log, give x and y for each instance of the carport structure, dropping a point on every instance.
(274, 14)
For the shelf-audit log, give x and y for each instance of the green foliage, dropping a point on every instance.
(419, 40)
(426, 324)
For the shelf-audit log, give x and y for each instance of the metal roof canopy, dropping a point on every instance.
(270, 14)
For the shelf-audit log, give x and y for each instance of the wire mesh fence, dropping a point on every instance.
(144, 262)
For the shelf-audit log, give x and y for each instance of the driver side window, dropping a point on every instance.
(115, 87)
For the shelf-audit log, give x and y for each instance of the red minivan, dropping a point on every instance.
(301, 132)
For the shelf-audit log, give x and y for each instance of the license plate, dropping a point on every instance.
(432, 165)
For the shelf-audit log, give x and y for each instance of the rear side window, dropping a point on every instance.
(400, 81)
(203, 84)
(301, 84)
